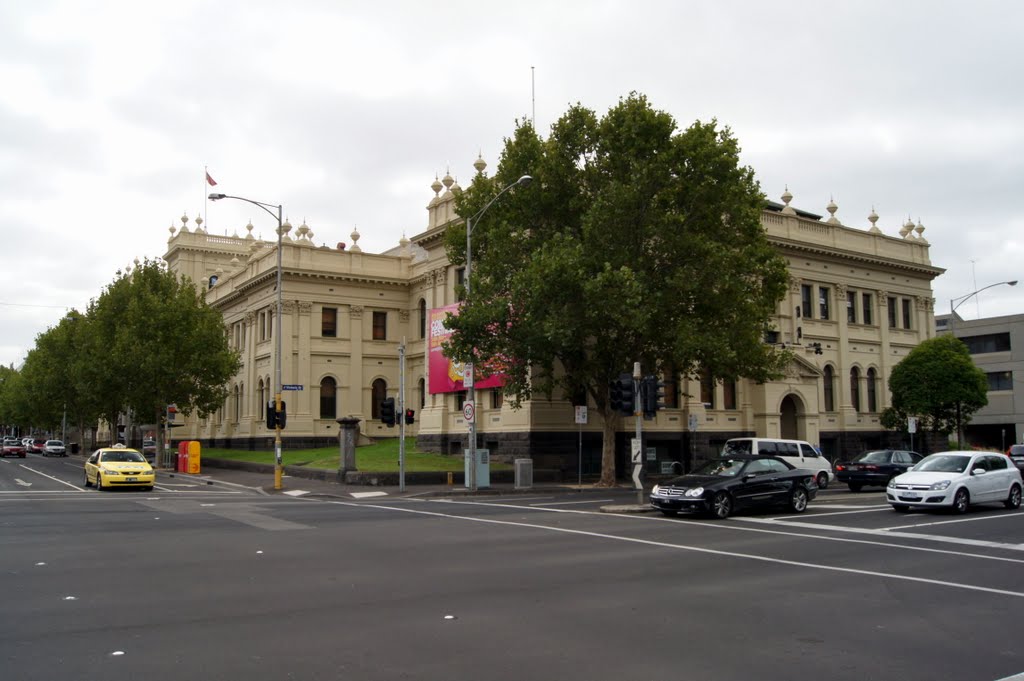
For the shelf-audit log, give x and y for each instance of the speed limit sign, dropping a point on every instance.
(469, 411)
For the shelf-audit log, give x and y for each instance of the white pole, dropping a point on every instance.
(401, 416)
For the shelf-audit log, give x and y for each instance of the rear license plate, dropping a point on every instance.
(911, 497)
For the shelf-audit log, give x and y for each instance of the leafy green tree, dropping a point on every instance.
(635, 242)
(939, 381)
(14, 410)
(153, 340)
(55, 379)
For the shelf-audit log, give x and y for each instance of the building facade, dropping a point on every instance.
(859, 301)
(996, 345)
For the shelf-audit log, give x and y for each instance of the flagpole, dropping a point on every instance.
(206, 200)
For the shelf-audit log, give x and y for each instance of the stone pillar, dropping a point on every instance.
(348, 436)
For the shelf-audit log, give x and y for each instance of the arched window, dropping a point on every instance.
(855, 388)
(261, 395)
(829, 380)
(236, 404)
(379, 392)
(422, 383)
(872, 390)
(328, 400)
(423, 318)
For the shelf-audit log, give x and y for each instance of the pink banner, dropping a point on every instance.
(446, 375)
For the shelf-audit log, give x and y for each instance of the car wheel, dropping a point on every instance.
(961, 501)
(670, 514)
(1013, 501)
(822, 480)
(721, 505)
(900, 508)
(798, 500)
(854, 488)
(99, 482)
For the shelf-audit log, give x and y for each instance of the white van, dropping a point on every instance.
(795, 452)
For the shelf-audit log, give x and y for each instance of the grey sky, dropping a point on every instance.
(345, 111)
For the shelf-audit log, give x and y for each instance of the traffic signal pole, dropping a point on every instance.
(637, 414)
(401, 417)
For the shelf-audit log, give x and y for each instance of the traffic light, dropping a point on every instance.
(652, 395)
(620, 395)
(410, 416)
(274, 417)
(387, 411)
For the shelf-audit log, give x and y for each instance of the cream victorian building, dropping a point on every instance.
(859, 301)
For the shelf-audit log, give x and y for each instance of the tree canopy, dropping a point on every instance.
(939, 382)
(148, 340)
(636, 241)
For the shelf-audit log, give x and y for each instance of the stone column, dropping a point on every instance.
(348, 436)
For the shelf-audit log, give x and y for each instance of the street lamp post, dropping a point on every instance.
(278, 467)
(963, 299)
(954, 303)
(525, 181)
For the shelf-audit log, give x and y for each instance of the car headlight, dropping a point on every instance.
(695, 491)
(940, 485)
(109, 471)
(655, 489)
(892, 483)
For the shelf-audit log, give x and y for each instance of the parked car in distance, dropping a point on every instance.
(12, 447)
(724, 485)
(54, 448)
(875, 467)
(37, 445)
(118, 466)
(797, 453)
(1016, 453)
(149, 447)
(956, 480)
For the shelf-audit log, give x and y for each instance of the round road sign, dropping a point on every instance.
(468, 410)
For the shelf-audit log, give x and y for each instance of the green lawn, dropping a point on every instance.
(380, 457)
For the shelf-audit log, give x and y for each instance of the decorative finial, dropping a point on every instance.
(355, 240)
(832, 208)
(873, 218)
(480, 164)
(786, 198)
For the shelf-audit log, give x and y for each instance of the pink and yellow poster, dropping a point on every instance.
(446, 375)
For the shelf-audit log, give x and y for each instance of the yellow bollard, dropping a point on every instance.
(450, 478)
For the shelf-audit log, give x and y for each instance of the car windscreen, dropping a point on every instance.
(725, 468)
(874, 457)
(733, 448)
(54, 443)
(943, 463)
(122, 457)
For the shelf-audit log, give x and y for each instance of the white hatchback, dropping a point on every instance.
(956, 480)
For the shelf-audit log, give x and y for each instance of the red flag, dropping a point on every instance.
(210, 180)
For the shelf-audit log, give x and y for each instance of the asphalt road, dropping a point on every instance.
(222, 581)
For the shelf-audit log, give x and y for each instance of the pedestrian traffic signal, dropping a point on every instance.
(652, 395)
(410, 416)
(387, 411)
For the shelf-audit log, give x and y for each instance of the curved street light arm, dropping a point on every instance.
(964, 299)
(264, 206)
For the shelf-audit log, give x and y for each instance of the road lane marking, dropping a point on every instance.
(693, 549)
(882, 532)
(52, 478)
(22, 482)
(949, 522)
(367, 495)
(572, 503)
(732, 524)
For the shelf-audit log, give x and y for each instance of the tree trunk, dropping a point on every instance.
(610, 421)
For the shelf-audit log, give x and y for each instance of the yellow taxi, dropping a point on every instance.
(118, 466)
